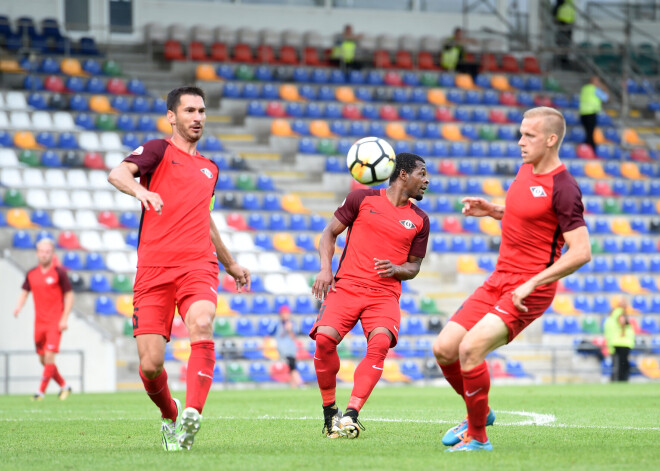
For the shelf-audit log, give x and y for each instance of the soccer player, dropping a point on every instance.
(386, 242)
(53, 300)
(178, 254)
(543, 210)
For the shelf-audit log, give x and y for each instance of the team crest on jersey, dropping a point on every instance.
(50, 280)
(408, 224)
(138, 151)
(206, 172)
(537, 191)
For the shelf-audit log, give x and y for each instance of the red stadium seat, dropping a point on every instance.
(351, 112)
(243, 53)
(425, 61)
(237, 221)
(108, 219)
(444, 115)
(54, 83)
(639, 154)
(510, 64)
(389, 113)
(508, 99)
(393, 79)
(197, 51)
(116, 86)
(452, 225)
(603, 188)
(174, 51)
(266, 54)
(68, 240)
(275, 109)
(531, 65)
(489, 63)
(382, 59)
(94, 160)
(288, 55)
(447, 167)
(219, 52)
(585, 151)
(403, 60)
(543, 101)
(497, 116)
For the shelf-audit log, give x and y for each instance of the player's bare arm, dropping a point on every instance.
(68, 305)
(578, 253)
(324, 280)
(406, 271)
(123, 176)
(240, 274)
(21, 301)
(479, 207)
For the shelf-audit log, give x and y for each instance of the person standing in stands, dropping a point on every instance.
(345, 50)
(620, 338)
(178, 253)
(454, 57)
(542, 212)
(386, 242)
(285, 337)
(592, 96)
(53, 301)
(564, 15)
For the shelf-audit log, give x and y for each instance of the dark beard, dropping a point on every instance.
(419, 197)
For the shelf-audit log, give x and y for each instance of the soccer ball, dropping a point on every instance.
(371, 160)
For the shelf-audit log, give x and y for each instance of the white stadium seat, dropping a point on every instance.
(63, 121)
(8, 158)
(111, 141)
(37, 198)
(20, 120)
(119, 262)
(15, 101)
(275, 283)
(11, 177)
(220, 221)
(114, 240)
(91, 240)
(297, 284)
(269, 263)
(103, 200)
(4, 121)
(42, 121)
(98, 179)
(81, 199)
(249, 261)
(60, 199)
(242, 242)
(33, 178)
(88, 140)
(76, 178)
(55, 178)
(112, 159)
(86, 219)
(126, 202)
(63, 219)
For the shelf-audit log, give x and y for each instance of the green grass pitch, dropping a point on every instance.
(576, 427)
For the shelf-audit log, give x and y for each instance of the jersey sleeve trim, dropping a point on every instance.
(148, 156)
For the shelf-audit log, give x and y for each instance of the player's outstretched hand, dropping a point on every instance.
(384, 268)
(63, 325)
(150, 200)
(323, 283)
(16, 311)
(241, 276)
(477, 207)
(520, 293)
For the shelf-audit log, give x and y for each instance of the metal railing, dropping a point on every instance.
(6, 377)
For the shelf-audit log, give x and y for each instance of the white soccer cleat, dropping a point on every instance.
(191, 422)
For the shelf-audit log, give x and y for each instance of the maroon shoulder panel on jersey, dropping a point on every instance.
(567, 202)
(148, 156)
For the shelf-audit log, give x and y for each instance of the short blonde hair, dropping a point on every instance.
(45, 240)
(555, 124)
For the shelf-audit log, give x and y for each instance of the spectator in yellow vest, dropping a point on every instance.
(564, 15)
(620, 337)
(453, 55)
(345, 50)
(592, 96)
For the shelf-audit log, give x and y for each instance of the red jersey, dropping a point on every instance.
(378, 229)
(539, 209)
(181, 234)
(48, 290)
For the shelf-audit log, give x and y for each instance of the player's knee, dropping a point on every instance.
(200, 326)
(469, 353)
(325, 344)
(378, 345)
(443, 353)
(151, 368)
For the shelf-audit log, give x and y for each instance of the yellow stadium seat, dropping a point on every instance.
(163, 125)
(10, 66)
(222, 308)
(631, 137)
(25, 140)
(630, 284)
(396, 131)
(319, 128)
(181, 350)
(621, 226)
(124, 305)
(595, 170)
(281, 127)
(657, 207)
(467, 264)
(599, 137)
(451, 132)
(284, 242)
(345, 94)
(100, 104)
(649, 367)
(270, 349)
(436, 96)
(346, 371)
(293, 204)
(490, 226)
(563, 304)
(71, 66)
(206, 72)
(392, 373)
(289, 92)
(500, 82)
(500, 200)
(18, 218)
(465, 82)
(631, 170)
(493, 187)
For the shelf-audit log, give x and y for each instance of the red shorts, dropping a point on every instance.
(158, 290)
(47, 338)
(371, 306)
(494, 297)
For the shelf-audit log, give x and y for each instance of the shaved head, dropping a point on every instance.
(554, 122)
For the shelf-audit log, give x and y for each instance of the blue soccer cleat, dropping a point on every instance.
(470, 444)
(452, 437)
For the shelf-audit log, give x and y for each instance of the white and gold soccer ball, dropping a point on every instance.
(371, 160)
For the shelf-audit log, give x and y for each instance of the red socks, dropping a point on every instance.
(454, 376)
(369, 371)
(50, 371)
(159, 393)
(58, 377)
(477, 384)
(326, 363)
(200, 373)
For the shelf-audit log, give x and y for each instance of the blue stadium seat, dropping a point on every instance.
(266, 326)
(306, 325)
(257, 222)
(650, 325)
(316, 223)
(104, 306)
(411, 369)
(408, 304)
(251, 202)
(94, 261)
(258, 373)
(426, 113)
(358, 347)
(551, 325)
(22, 240)
(648, 282)
(132, 239)
(99, 283)
(271, 203)
(304, 305)
(37, 101)
(276, 222)
(439, 244)
(327, 94)
(310, 262)
(281, 302)
(601, 305)
(244, 327)
(305, 242)
(611, 284)
(581, 303)
(261, 240)
(239, 304)
(571, 326)
(298, 222)
(486, 263)
(640, 303)
(260, 305)
(290, 261)
(124, 123)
